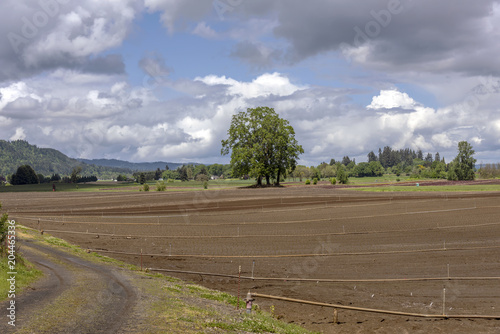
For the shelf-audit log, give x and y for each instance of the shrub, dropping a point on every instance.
(201, 177)
(397, 180)
(308, 182)
(333, 180)
(160, 186)
(205, 184)
(315, 181)
(170, 181)
(146, 187)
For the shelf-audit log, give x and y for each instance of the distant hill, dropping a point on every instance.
(48, 161)
(135, 166)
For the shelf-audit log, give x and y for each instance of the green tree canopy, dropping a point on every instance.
(341, 174)
(261, 144)
(74, 174)
(464, 162)
(25, 174)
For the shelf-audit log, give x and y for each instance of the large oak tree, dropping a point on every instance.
(262, 145)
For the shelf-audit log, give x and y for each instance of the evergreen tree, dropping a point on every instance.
(372, 157)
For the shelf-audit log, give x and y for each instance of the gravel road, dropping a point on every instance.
(75, 296)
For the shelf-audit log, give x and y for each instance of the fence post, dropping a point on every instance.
(239, 280)
(335, 316)
(444, 301)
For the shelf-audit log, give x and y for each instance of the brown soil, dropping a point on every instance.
(307, 233)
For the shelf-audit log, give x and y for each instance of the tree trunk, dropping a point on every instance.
(259, 181)
(278, 179)
(267, 180)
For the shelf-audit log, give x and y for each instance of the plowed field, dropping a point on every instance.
(390, 251)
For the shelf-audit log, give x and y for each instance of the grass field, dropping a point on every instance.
(26, 273)
(372, 185)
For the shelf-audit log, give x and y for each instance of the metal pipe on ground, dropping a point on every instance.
(371, 310)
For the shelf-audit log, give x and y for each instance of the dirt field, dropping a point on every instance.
(407, 244)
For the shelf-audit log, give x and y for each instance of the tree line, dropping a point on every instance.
(25, 174)
(198, 172)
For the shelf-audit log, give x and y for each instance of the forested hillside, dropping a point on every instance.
(47, 161)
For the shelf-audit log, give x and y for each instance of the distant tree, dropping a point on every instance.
(142, 178)
(74, 174)
(341, 174)
(166, 167)
(55, 178)
(332, 162)
(85, 179)
(376, 168)
(183, 174)
(42, 179)
(314, 172)
(464, 162)
(372, 157)
(158, 174)
(351, 165)
(171, 174)
(326, 170)
(215, 169)
(420, 155)
(451, 175)
(25, 174)
(346, 160)
(437, 157)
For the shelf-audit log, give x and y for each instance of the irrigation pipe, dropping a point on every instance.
(275, 235)
(298, 255)
(388, 202)
(362, 309)
(380, 201)
(327, 280)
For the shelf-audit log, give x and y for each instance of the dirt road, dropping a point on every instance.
(75, 296)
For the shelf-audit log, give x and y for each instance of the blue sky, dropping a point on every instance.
(148, 80)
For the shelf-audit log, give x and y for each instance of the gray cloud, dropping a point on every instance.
(46, 35)
(387, 35)
(257, 55)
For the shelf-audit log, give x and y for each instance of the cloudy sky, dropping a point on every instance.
(148, 80)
